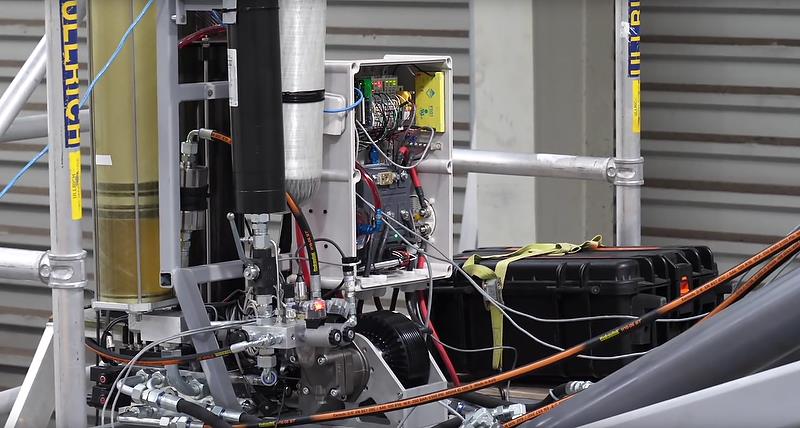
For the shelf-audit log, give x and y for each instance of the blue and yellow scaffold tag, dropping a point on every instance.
(72, 125)
(634, 39)
(635, 61)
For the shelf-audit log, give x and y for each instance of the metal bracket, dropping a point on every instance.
(67, 270)
(383, 386)
(628, 172)
(181, 6)
(185, 282)
(203, 91)
(229, 17)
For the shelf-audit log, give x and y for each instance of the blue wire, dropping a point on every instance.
(351, 106)
(23, 171)
(85, 98)
(116, 53)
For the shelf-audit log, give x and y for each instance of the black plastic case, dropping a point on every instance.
(609, 281)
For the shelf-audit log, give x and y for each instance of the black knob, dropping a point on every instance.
(335, 337)
(349, 334)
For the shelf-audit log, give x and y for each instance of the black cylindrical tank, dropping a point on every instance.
(254, 73)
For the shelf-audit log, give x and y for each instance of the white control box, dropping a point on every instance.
(331, 212)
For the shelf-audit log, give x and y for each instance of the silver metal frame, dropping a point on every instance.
(23, 85)
(168, 137)
(67, 258)
(186, 282)
(629, 162)
(24, 265)
(35, 401)
(525, 164)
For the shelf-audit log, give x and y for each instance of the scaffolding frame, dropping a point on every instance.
(64, 266)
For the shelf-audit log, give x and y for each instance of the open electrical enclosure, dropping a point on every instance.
(332, 211)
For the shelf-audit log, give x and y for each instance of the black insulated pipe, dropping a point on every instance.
(208, 418)
(254, 75)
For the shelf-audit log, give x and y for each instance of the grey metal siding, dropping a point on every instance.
(721, 135)
(356, 29)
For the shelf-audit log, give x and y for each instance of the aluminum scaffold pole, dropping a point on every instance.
(66, 256)
(23, 85)
(629, 163)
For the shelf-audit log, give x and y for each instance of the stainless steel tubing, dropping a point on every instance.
(177, 381)
(25, 265)
(157, 422)
(35, 126)
(628, 127)
(524, 164)
(23, 85)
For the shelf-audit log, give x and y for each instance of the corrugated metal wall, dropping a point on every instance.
(356, 29)
(722, 135)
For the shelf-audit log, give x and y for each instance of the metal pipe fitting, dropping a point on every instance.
(228, 415)
(191, 388)
(175, 422)
(316, 287)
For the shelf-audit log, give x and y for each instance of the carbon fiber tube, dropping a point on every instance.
(748, 337)
(254, 79)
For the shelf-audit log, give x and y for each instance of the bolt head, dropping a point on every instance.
(322, 360)
(305, 390)
(251, 272)
(334, 392)
(292, 359)
(44, 271)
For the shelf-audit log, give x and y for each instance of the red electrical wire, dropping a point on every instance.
(376, 197)
(199, 34)
(448, 363)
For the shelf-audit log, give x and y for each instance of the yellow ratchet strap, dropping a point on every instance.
(493, 280)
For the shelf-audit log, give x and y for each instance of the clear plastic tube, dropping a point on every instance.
(125, 138)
